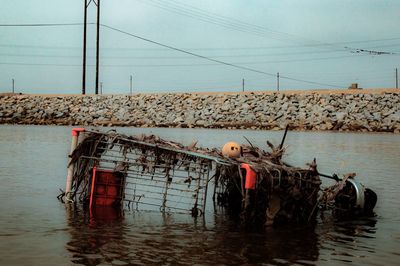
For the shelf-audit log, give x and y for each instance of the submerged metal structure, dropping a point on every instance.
(156, 174)
(149, 173)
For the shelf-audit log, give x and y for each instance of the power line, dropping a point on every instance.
(201, 64)
(41, 24)
(200, 48)
(157, 43)
(186, 52)
(169, 57)
(316, 43)
(218, 19)
(238, 25)
(205, 18)
(183, 51)
(39, 64)
(213, 60)
(190, 48)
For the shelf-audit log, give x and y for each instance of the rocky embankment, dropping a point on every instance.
(358, 111)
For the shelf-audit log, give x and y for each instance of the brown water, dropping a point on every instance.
(36, 229)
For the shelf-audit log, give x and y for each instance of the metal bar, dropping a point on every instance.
(157, 179)
(160, 180)
(156, 174)
(97, 47)
(277, 81)
(157, 199)
(197, 196)
(155, 205)
(205, 190)
(175, 189)
(190, 153)
(84, 49)
(114, 154)
(135, 158)
(284, 136)
(130, 85)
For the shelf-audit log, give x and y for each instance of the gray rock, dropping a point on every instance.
(59, 114)
(225, 107)
(395, 117)
(20, 110)
(353, 111)
(340, 116)
(377, 116)
(200, 122)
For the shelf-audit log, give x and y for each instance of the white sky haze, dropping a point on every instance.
(313, 44)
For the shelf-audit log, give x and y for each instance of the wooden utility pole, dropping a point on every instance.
(277, 81)
(130, 85)
(97, 46)
(101, 87)
(397, 80)
(242, 84)
(84, 48)
(13, 86)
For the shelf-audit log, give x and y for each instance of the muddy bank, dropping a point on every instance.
(369, 111)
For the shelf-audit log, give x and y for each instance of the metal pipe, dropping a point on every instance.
(130, 85)
(205, 190)
(277, 81)
(284, 136)
(97, 47)
(74, 144)
(84, 49)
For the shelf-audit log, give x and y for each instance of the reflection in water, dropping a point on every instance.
(109, 236)
(349, 240)
(274, 245)
(94, 234)
(106, 236)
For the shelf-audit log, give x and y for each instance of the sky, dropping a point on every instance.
(200, 46)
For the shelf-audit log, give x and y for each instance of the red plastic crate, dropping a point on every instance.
(107, 188)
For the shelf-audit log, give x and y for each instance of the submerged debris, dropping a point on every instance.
(255, 186)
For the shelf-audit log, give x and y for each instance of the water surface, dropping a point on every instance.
(36, 229)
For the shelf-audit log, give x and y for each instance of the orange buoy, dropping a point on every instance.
(231, 150)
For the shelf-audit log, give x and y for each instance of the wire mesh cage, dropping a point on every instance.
(158, 175)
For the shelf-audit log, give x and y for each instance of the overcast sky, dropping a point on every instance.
(323, 43)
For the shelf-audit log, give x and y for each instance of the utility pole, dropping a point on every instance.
(397, 80)
(84, 48)
(97, 46)
(243, 85)
(277, 81)
(101, 87)
(86, 5)
(13, 86)
(130, 85)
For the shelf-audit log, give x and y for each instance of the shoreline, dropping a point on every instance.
(291, 129)
(267, 92)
